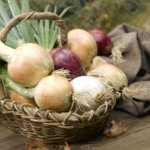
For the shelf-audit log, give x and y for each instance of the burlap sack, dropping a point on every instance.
(136, 65)
(131, 51)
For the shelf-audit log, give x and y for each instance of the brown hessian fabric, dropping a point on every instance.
(136, 65)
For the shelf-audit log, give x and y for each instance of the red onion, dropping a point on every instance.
(104, 43)
(64, 58)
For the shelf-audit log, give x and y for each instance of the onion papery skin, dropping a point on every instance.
(21, 99)
(29, 65)
(86, 89)
(66, 59)
(82, 43)
(103, 41)
(111, 73)
(54, 93)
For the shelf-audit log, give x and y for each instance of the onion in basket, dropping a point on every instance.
(103, 41)
(53, 92)
(27, 64)
(110, 73)
(86, 89)
(66, 59)
(82, 43)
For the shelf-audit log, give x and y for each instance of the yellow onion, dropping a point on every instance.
(82, 43)
(27, 64)
(21, 99)
(111, 74)
(53, 92)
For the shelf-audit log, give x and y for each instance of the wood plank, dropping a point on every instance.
(136, 138)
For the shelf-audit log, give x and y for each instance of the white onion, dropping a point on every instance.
(86, 89)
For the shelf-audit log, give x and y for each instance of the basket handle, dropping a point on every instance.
(35, 16)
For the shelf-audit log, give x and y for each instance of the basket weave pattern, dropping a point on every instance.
(53, 127)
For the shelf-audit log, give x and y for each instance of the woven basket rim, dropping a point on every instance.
(36, 114)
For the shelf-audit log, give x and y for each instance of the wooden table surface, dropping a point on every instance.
(137, 137)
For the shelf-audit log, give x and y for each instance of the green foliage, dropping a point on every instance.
(43, 32)
(105, 14)
(22, 32)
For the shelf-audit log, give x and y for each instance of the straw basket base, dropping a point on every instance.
(52, 127)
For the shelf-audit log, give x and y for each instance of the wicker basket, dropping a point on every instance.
(51, 127)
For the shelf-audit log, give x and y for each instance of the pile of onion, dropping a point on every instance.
(90, 93)
(56, 93)
(82, 43)
(53, 92)
(30, 71)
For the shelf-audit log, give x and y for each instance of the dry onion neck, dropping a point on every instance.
(117, 54)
